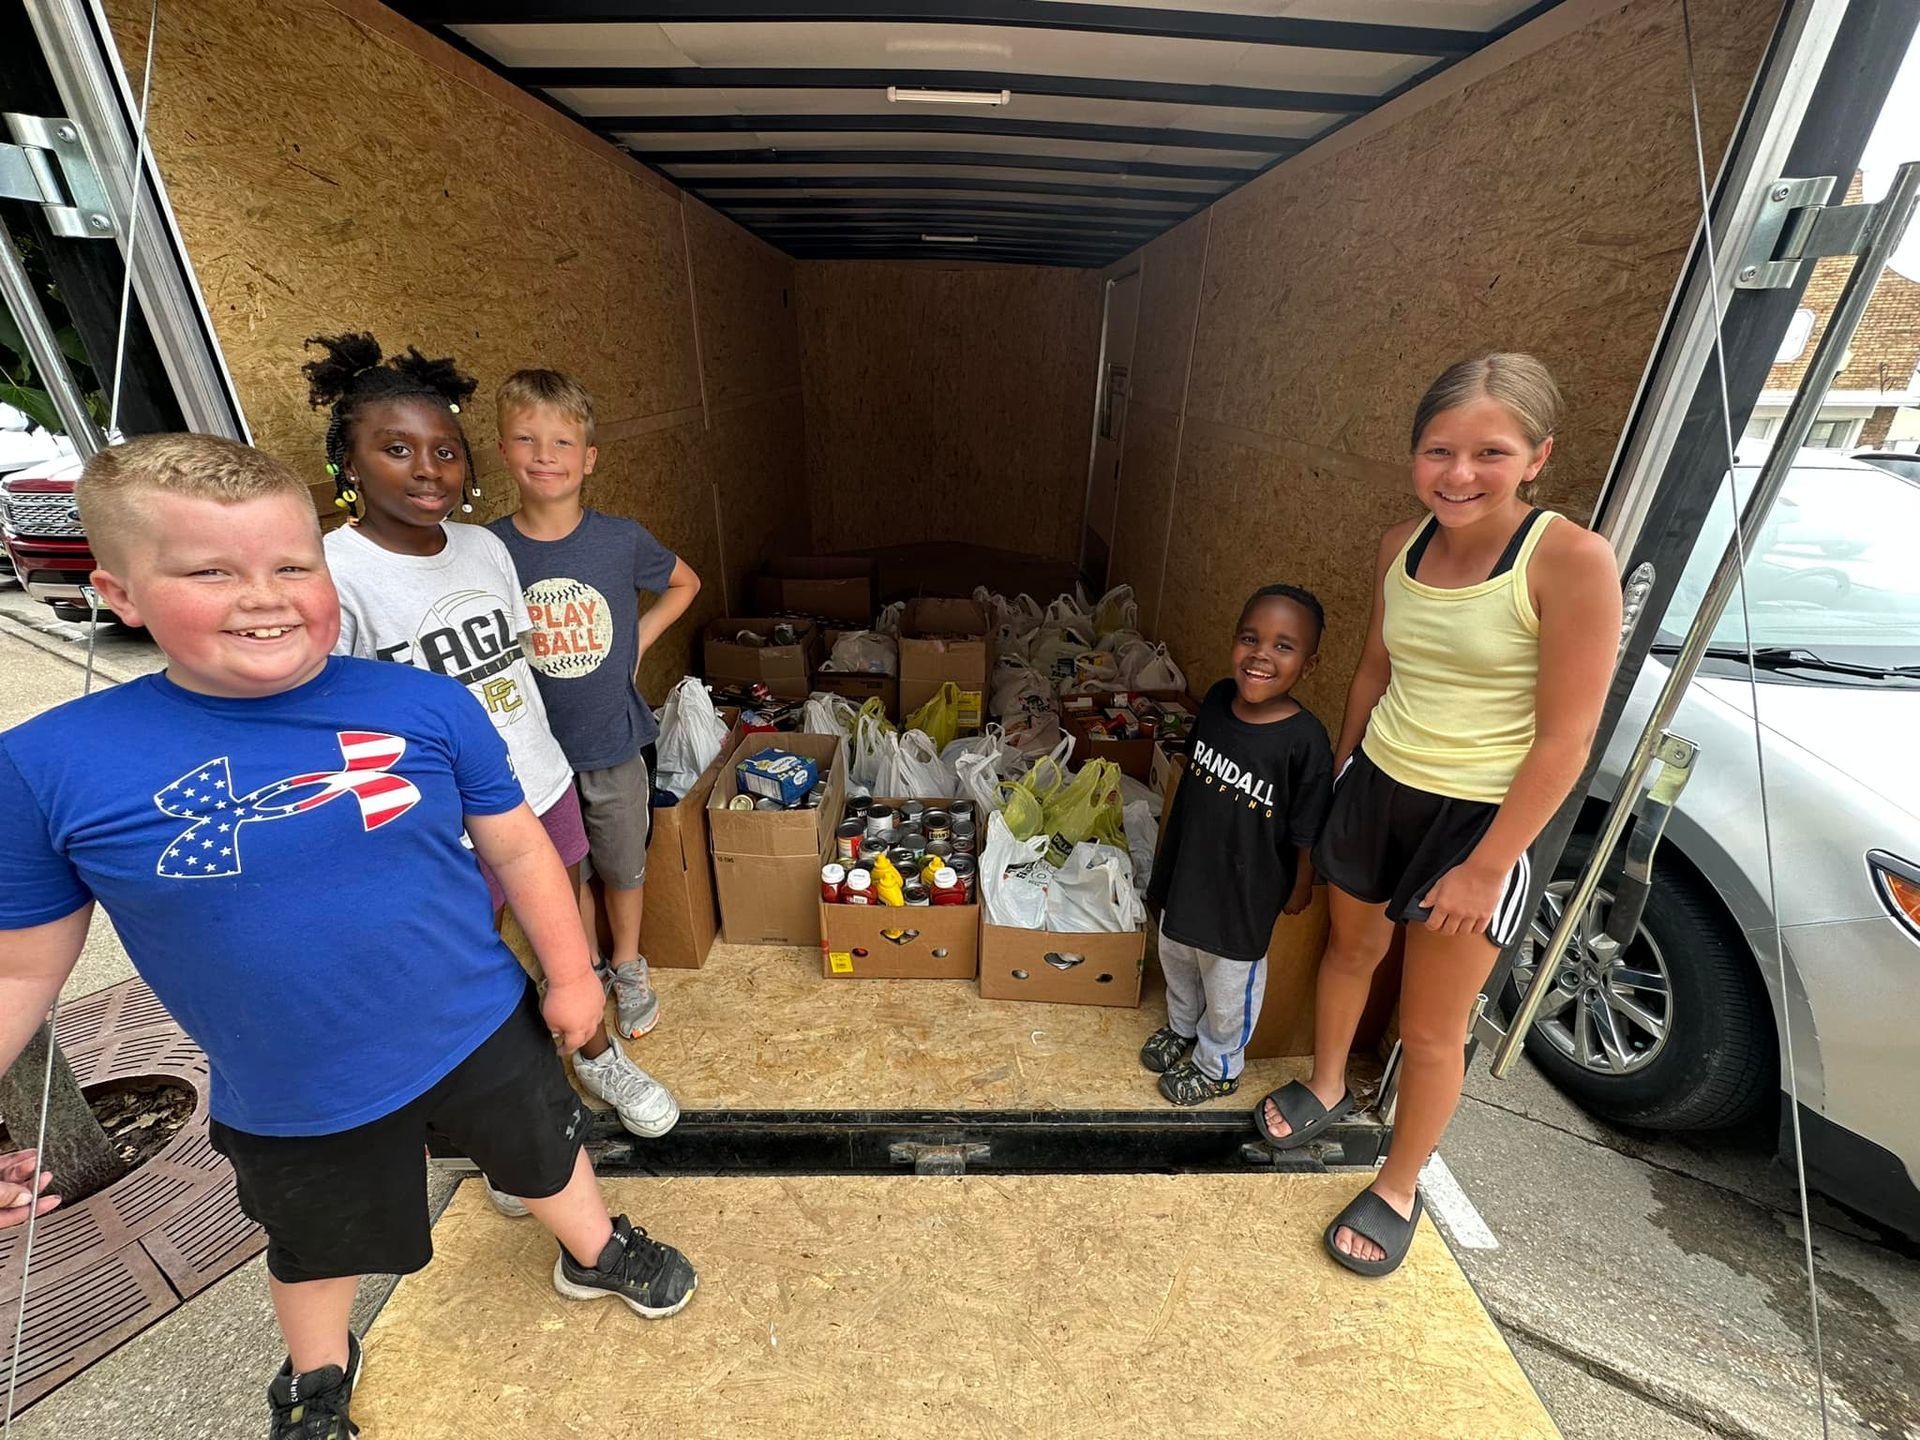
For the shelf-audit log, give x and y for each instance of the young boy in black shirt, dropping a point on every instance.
(1238, 846)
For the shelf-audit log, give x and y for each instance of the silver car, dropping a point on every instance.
(1684, 1028)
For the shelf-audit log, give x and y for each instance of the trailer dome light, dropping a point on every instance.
(902, 95)
(951, 239)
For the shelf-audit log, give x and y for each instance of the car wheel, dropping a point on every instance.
(1672, 1031)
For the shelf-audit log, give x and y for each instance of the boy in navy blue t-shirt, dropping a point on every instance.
(276, 834)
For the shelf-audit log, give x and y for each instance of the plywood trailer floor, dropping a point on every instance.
(991, 1306)
(760, 1028)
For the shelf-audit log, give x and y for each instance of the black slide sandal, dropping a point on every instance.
(1372, 1217)
(1306, 1117)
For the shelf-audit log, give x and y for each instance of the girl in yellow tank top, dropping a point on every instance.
(1468, 722)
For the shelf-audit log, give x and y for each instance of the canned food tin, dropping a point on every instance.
(879, 817)
(816, 796)
(871, 849)
(915, 893)
(887, 838)
(857, 806)
(913, 840)
(965, 825)
(740, 802)
(963, 810)
(911, 811)
(903, 859)
(965, 845)
(939, 849)
(967, 871)
(833, 880)
(768, 803)
(938, 824)
(846, 839)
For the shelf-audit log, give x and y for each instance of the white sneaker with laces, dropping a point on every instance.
(511, 1206)
(645, 1106)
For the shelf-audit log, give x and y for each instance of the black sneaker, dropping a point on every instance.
(1164, 1049)
(1187, 1084)
(655, 1280)
(313, 1406)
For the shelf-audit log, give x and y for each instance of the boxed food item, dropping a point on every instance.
(779, 775)
(766, 863)
(779, 654)
(941, 641)
(833, 587)
(890, 942)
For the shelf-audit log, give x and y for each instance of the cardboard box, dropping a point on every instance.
(886, 942)
(941, 641)
(1134, 757)
(766, 863)
(1014, 966)
(834, 587)
(860, 688)
(786, 670)
(680, 920)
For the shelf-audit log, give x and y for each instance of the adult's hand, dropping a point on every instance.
(20, 1179)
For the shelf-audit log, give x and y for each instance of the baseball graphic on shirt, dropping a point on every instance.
(572, 627)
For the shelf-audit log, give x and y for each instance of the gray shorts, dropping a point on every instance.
(617, 805)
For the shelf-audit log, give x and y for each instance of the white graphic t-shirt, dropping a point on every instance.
(458, 613)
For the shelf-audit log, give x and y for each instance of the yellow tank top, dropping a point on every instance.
(1457, 718)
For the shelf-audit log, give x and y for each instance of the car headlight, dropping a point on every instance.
(1898, 884)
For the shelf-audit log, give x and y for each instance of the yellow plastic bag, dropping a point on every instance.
(1091, 808)
(1027, 798)
(939, 718)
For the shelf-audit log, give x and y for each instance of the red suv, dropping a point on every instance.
(40, 527)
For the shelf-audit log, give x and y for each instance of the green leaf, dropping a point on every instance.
(68, 339)
(36, 403)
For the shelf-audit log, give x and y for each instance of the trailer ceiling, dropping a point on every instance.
(800, 121)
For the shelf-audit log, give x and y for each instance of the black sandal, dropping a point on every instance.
(1372, 1218)
(1306, 1117)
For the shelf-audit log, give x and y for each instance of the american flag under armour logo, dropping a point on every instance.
(204, 795)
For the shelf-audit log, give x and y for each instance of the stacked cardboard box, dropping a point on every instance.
(942, 641)
(766, 863)
(785, 669)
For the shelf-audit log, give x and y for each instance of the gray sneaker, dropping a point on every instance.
(634, 994)
(511, 1206)
(645, 1106)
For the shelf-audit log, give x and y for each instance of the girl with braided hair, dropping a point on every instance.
(446, 598)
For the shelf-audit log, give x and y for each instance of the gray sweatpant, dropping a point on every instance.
(1215, 1000)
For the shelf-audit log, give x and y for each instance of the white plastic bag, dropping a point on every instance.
(977, 778)
(1018, 689)
(888, 622)
(918, 771)
(1034, 734)
(865, 652)
(1117, 610)
(1143, 839)
(1132, 791)
(1160, 673)
(1010, 642)
(1134, 655)
(991, 741)
(1095, 671)
(872, 751)
(1014, 876)
(825, 714)
(1094, 891)
(691, 734)
(1056, 651)
(1068, 611)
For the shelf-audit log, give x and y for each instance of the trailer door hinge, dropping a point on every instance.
(1796, 225)
(50, 165)
(937, 1159)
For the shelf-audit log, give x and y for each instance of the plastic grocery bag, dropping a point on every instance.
(1087, 808)
(691, 734)
(1117, 610)
(1018, 689)
(1027, 798)
(1010, 642)
(1134, 655)
(888, 621)
(872, 751)
(1093, 891)
(865, 652)
(1056, 651)
(1014, 876)
(825, 714)
(1133, 791)
(991, 741)
(1143, 839)
(1072, 612)
(939, 718)
(1160, 673)
(1036, 734)
(918, 770)
(1096, 671)
(977, 778)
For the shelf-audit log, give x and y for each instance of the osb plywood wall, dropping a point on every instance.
(334, 168)
(948, 403)
(1287, 333)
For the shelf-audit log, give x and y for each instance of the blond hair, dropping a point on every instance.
(527, 389)
(207, 467)
(1518, 383)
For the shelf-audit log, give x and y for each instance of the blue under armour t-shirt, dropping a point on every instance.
(287, 874)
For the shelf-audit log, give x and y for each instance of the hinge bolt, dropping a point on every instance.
(1780, 192)
(1750, 272)
(67, 132)
(100, 223)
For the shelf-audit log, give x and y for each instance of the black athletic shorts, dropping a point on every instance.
(355, 1202)
(1389, 844)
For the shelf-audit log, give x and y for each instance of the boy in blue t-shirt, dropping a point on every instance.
(584, 573)
(276, 834)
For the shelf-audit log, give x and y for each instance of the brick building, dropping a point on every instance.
(1881, 377)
